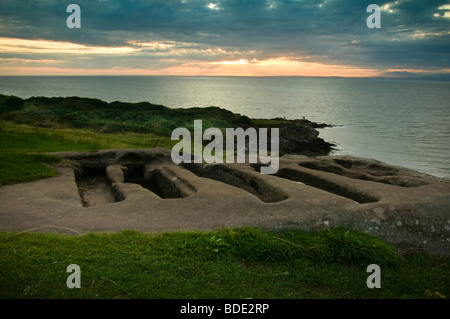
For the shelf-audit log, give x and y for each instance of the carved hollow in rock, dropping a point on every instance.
(326, 185)
(95, 188)
(370, 172)
(249, 181)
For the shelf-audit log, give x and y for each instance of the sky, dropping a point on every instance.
(224, 37)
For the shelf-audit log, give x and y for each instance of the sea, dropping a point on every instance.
(396, 121)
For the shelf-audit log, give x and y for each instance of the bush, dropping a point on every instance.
(113, 117)
(10, 103)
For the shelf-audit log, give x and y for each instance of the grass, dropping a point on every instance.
(227, 263)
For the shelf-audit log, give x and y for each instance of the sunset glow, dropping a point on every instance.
(242, 67)
(18, 46)
(267, 38)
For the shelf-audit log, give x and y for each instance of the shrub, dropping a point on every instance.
(10, 103)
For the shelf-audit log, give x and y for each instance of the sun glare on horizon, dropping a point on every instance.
(42, 65)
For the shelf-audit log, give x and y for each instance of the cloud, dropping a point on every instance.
(154, 34)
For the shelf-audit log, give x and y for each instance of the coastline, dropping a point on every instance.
(298, 136)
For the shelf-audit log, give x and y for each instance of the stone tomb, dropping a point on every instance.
(113, 190)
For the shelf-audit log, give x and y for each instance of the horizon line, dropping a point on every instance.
(381, 76)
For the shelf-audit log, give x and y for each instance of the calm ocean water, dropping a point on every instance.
(400, 122)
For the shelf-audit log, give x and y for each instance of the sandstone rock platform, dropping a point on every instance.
(114, 190)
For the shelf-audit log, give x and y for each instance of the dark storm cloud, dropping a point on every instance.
(414, 33)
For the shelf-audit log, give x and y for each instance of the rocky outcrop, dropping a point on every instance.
(405, 208)
(300, 137)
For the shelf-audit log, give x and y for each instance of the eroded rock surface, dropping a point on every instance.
(148, 192)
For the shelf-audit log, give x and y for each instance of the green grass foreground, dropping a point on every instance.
(227, 263)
